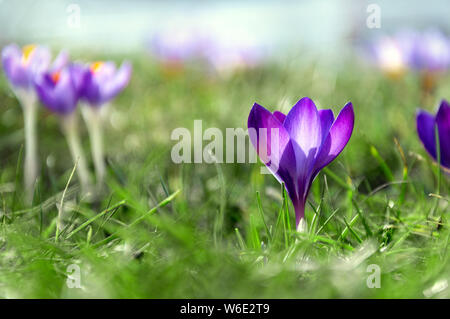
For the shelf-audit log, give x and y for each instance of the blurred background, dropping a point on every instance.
(211, 60)
(328, 27)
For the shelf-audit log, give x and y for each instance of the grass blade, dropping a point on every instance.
(61, 205)
(352, 231)
(91, 220)
(384, 167)
(346, 229)
(258, 199)
(139, 219)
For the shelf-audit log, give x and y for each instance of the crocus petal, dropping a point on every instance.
(279, 154)
(14, 70)
(426, 130)
(327, 119)
(91, 90)
(66, 95)
(268, 136)
(443, 124)
(45, 95)
(11, 50)
(60, 97)
(279, 157)
(106, 72)
(303, 125)
(39, 61)
(118, 82)
(80, 76)
(338, 136)
(280, 116)
(292, 173)
(60, 61)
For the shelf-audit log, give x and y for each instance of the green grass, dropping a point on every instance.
(164, 230)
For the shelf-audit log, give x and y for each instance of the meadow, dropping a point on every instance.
(166, 230)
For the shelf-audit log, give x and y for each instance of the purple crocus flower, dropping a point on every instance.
(59, 90)
(426, 126)
(24, 66)
(102, 82)
(296, 146)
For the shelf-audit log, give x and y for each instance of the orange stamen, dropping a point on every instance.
(96, 66)
(55, 77)
(27, 52)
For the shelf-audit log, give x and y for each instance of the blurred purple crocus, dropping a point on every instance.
(427, 51)
(391, 54)
(219, 52)
(59, 91)
(431, 51)
(22, 68)
(101, 82)
(229, 55)
(296, 146)
(23, 65)
(176, 45)
(426, 128)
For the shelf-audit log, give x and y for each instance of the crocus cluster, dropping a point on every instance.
(61, 87)
(296, 146)
(433, 128)
(428, 51)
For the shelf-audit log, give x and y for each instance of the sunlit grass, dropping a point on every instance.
(164, 230)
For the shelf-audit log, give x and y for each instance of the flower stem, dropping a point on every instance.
(93, 119)
(29, 106)
(70, 129)
(300, 221)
